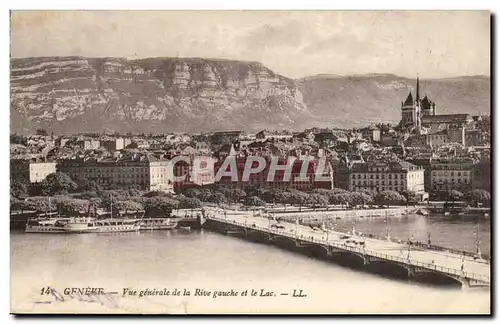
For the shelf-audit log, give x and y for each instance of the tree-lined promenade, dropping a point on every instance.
(74, 196)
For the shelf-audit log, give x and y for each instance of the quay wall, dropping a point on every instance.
(311, 216)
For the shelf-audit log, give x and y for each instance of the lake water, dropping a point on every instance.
(211, 262)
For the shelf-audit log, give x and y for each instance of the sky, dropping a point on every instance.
(296, 44)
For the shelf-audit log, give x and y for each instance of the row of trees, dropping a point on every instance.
(54, 184)
(154, 203)
(473, 197)
(255, 196)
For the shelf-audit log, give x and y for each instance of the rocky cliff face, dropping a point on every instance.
(75, 94)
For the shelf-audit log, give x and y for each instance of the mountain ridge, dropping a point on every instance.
(76, 93)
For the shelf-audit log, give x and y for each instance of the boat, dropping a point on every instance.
(104, 223)
(107, 225)
(47, 222)
(44, 225)
(157, 223)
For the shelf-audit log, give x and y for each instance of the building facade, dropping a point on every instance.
(260, 179)
(451, 174)
(379, 176)
(135, 172)
(191, 180)
(32, 171)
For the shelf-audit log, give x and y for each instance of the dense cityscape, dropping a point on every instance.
(427, 156)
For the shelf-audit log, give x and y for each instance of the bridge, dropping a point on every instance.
(464, 269)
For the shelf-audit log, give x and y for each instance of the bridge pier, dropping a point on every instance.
(465, 283)
(411, 271)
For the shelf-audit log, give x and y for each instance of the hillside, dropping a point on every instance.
(76, 94)
(361, 100)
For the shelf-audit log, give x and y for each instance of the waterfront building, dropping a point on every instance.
(145, 172)
(185, 169)
(34, 171)
(260, 179)
(379, 176)
(451, 174)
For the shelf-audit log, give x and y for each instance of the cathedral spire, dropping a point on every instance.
(418, 90)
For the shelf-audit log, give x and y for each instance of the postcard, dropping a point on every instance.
(250, 162)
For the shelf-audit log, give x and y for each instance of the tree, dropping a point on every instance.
(16, 204)
(188, 202)
(58, 183)
(299, 198)
(454, 195)
(72, 207)
(478, 196)
(87, 185)
(18, 139)
(368, 192)
(389, 197)
(217, 197)
(255, 191)
(160, 206)
(42, 205)
(254, 201)
(128, 205)
(236, 194)
(192, 193)
(156, 193)
(87, 195)
(41, 132)
(18, 189)
(318, 200)
(411, 197)
(360, 198)
(340, 199)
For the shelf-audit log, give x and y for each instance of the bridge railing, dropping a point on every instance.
(359, 250)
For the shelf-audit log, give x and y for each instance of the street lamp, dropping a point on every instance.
(387, 230)
(478, 246)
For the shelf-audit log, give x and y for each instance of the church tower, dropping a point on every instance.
(411, 111)
(407, 111)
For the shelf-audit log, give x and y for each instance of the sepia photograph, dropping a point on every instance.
(291, 162)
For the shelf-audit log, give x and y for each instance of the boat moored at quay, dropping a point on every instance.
(82, 225)
(158, 223)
